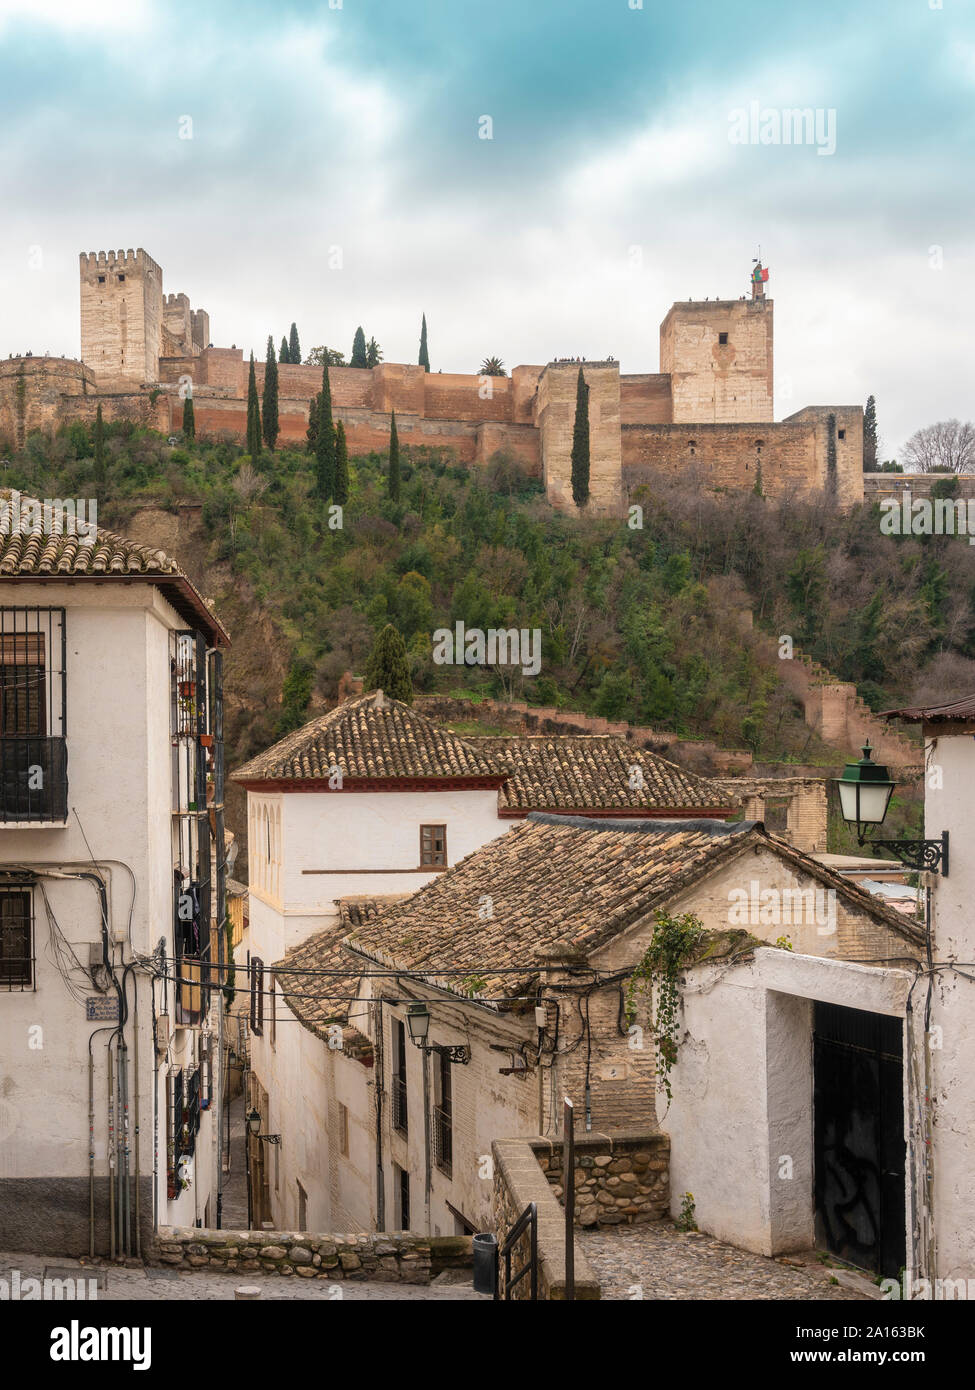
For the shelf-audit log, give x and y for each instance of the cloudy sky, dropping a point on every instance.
(611, 185)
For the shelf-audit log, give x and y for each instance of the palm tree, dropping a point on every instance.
(493, 366)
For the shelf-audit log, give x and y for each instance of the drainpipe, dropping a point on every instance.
(138, 1194)
(111, 1157)
(428, 1172)
(380, 1180)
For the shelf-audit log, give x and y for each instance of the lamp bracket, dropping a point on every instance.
(454, 1053)
(931, 855)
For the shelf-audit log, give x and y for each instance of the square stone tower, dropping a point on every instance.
(718, 354)
(121, 316)
(555, 411)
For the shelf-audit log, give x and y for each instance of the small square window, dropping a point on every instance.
(723, 339)
(121, 278)
(433, 846)
(101, 279)
(841, 434)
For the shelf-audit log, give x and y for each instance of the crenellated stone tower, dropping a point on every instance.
(128, 324)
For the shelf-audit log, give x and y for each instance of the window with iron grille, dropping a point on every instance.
(191, 1111)
(16, 937)
(257, 996)
(443, 1134)
(178, 1136)
(398, 1089)
(433, 846)
(33, 752)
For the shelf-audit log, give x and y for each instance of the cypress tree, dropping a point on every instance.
(393, 477)
(283, 354)
(294, 347)
(99, 446)
(311, 435)
(253, 416)
(870, 436)
(270, 410)
(388, 668)
(189, 418)
(424, 354)
(358, 358)
(325, 440)
(374, 353)
(580, 444)
(341, 493)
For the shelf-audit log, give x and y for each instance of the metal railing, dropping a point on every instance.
(527, 1221)
(443, 1140)
(33, 779)
(398, 1100)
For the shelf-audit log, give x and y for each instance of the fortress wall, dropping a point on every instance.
(31, 391)
(793, 455)
(461, 397)
(646, 400)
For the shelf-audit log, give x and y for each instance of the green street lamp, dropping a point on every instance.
(865, 790)
(418, 1023)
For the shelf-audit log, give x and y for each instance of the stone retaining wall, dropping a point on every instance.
(620, 1178)
(518, 1180)
(394, 1257)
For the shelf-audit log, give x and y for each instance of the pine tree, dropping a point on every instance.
(388, 668)
(284, 354)
(870, 436)
(424, 354)
(270, 407)
(99, 446)
(311, 435)
(325, 440)
(294, 347)
(358, 358)
(374, 353)
(580, 444)
(393, 476)
(189, 418)
(341, 492)
(253, 416)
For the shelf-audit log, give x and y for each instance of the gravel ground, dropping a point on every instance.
(657, 1261)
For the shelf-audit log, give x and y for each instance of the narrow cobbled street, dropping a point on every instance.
(655, 1261)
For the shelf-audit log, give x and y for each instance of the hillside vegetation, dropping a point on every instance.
(637, 624)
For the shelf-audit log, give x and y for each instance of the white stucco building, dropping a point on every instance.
(109, 682)
(369, 803)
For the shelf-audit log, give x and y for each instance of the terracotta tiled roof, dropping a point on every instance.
(372, 737)
(25, 555)
(22, 552)
(570, 772)
(320, 999)
(567, 884)
(935, 714)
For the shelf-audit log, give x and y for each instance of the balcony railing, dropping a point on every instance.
(33, 779)
(400, 1121)
(443, 1140)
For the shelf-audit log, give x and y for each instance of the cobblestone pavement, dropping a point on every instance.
(163, 1285)
(657, 1261)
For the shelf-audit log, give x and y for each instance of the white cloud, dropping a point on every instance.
(74, 16)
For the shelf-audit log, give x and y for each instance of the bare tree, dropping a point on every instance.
(947, 447)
